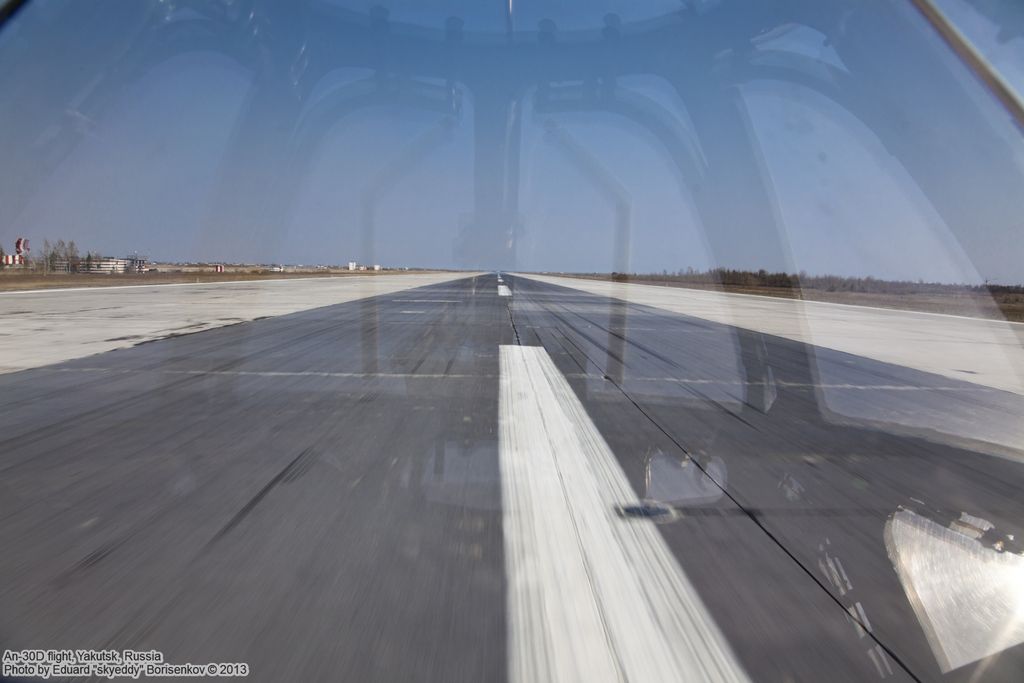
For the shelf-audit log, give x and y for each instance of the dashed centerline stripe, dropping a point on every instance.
(576, 375)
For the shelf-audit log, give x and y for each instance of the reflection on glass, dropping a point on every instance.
(832, 142)
(681, 483)
(964, 581)
(462, 474)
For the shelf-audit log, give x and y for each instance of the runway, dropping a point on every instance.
(462, 483)
(46, 326)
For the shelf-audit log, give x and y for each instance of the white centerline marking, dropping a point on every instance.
(592, 596)
(503, 290)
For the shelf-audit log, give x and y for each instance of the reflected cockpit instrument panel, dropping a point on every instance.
(965, 581)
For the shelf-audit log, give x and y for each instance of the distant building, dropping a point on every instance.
(137, 264)
(112, 265)
(105, 264)
(377, 267)
(352, 265)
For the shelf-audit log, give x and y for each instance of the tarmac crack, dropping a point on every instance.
(757, 518)
(512, 321)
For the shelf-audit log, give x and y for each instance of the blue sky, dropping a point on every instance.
(184, 159)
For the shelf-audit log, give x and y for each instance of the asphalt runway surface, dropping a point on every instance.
(320, 494)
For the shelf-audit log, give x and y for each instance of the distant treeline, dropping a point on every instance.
(752, 279)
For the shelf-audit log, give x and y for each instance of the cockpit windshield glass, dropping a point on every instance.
(528, 340)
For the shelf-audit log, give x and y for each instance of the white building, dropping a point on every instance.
(112, 264)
